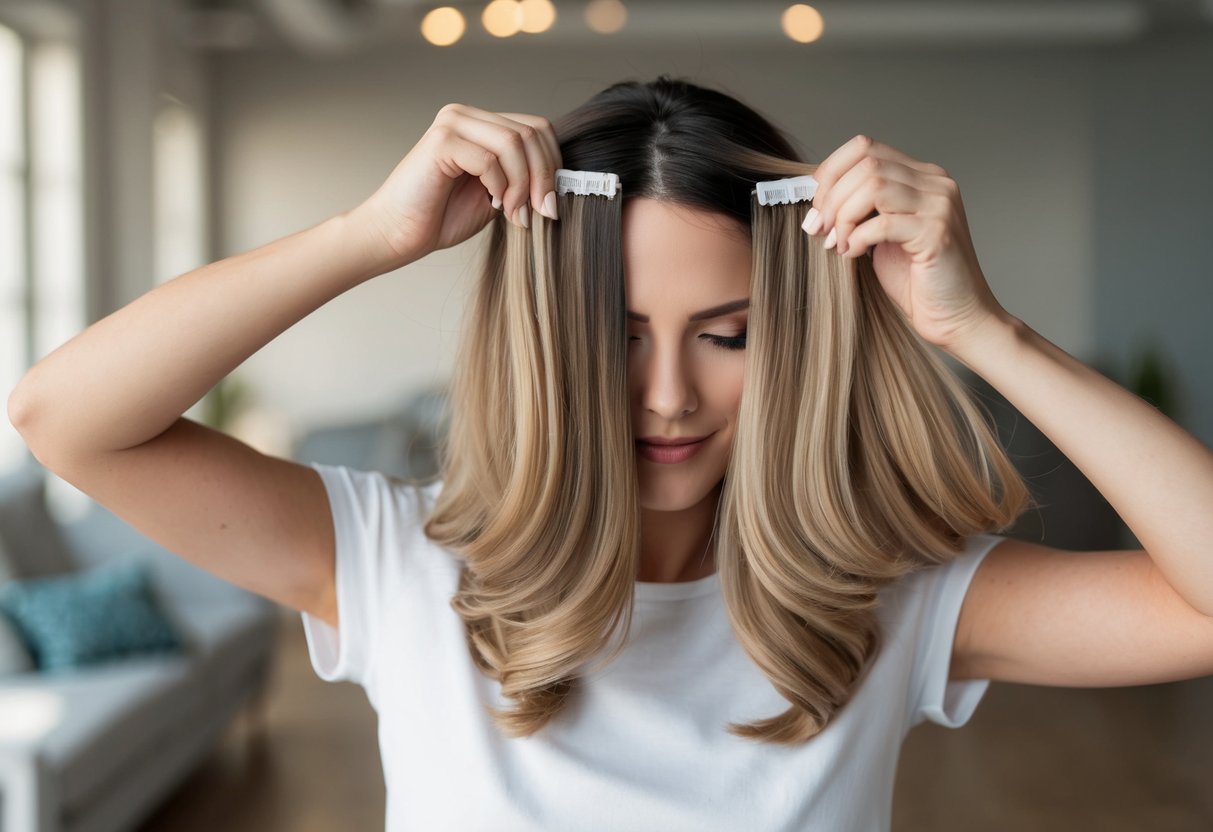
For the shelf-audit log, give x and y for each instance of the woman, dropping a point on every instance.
(861, 585)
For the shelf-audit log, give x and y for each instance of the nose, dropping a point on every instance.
(663, 383)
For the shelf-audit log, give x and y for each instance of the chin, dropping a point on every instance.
(674, 491)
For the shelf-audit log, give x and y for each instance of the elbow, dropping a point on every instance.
(20, 407)
(22, 414)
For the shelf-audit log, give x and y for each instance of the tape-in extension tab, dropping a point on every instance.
(586, 183)
(782, 191)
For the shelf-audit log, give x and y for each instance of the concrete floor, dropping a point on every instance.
(1032, 758)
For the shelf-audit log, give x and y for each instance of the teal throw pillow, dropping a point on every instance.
(90, 616)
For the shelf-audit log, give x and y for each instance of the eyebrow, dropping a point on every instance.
(714, 312)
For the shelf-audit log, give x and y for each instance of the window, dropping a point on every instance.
(41, 211)
(14, 318)
(179, 198)
(58, 210)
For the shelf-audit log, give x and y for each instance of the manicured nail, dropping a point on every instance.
(497, 203)
(523, 215)
(831, 238)
(812, 221)
(549, 205)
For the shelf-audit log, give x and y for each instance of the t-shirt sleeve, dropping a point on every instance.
(358, 501)
(936, 698)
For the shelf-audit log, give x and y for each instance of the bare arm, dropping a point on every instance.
(104, 413)
(130, 375)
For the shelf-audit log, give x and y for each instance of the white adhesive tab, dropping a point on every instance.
(780, 191)
(586, 183)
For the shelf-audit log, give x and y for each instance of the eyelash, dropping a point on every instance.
(736, 342)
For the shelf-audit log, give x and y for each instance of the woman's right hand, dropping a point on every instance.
(439, 194)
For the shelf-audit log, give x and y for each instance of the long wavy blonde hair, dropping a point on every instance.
(878, 463)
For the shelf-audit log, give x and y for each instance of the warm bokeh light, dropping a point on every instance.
(605, 16)
(802, 23)
(537, 15)
(443, 26)
(502, 18)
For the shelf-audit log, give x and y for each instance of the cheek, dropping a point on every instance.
(726, 392)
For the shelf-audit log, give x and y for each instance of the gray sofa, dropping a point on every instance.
(98, 748)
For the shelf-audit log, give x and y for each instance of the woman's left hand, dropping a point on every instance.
(871, 195)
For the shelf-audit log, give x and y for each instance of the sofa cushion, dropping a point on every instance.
(30, 535)
(92, 616)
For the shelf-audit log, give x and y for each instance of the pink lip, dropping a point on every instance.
(661, 440)
(669, 454)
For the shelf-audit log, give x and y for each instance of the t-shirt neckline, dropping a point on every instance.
(655, 591)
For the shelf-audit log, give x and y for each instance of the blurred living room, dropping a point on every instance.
(143, 139)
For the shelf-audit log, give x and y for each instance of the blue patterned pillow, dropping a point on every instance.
(90, 616)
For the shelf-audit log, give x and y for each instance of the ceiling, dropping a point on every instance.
(336, 26)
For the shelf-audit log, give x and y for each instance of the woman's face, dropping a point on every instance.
(686, 357)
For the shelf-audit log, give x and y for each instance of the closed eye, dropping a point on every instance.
(734, 342)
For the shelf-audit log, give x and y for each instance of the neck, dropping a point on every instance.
(678, 546)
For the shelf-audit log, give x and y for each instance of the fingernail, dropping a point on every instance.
(549, 205)
(832, 238)
(497, 203)
(812, 221)
(523, 215)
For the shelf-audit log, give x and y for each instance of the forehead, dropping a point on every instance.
(676, 255)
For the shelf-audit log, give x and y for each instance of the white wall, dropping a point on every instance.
(299, 140)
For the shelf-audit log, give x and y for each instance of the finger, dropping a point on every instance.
(516, 145)
(548, 133)
(867, 173)
(874, 195)
(543, 178)
(884, 228)
(497, 140)
(836, 165)
(461, 156)
(845, 156)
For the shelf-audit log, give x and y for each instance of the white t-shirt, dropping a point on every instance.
(642, 744)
